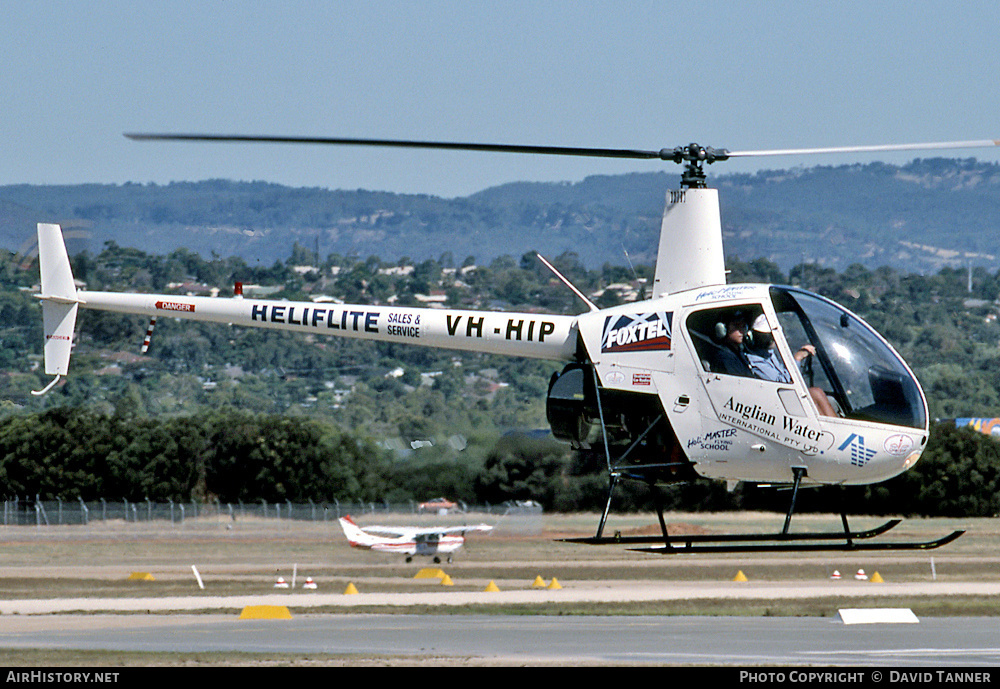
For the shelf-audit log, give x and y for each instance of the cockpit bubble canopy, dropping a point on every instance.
(853, 364)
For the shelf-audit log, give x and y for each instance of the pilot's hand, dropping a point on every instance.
(805, 351)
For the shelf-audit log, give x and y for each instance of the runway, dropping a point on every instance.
(477, 640)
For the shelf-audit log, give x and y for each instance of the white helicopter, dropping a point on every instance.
(670, 389)
(409, 540)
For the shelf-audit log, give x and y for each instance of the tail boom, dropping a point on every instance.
(529, 335)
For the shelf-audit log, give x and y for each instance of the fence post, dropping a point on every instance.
(40, 511)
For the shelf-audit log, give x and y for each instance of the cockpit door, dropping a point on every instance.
(752, 379)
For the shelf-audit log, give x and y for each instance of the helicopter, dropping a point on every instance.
(669, 389)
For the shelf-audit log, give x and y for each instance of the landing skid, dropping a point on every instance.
(784, 541)
(668, 540)
(848, 545)
(773, 542)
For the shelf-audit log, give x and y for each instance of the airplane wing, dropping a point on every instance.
(461, 529)
(413, 532)
(402, 531)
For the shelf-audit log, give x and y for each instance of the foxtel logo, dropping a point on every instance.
(174, 306)
(637, 332)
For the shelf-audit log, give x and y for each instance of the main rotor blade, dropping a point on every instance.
(400, 143)
(980, 143)
(691, 153)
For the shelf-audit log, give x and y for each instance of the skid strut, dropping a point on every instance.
(783, 541)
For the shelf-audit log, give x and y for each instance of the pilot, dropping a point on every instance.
(729, 358)
(762, 355)
(766, 364)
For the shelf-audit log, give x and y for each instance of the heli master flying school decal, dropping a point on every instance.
(642, 332)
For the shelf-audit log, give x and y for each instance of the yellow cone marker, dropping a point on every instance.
(141, 576)
(446, 581)
(877, 578)
(429, 573)
(740, 576)
(538, 583)
(350, 590)
(555, 584)
(265, 612)
(491, 587)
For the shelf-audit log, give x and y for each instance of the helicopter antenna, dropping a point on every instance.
(590, 304)
(635, 276)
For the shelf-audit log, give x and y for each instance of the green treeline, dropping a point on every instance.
(235, 456)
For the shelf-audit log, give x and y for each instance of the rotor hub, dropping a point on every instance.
(695, 156)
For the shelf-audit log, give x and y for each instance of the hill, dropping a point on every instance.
(919, 217)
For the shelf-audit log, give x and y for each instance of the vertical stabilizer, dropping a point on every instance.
(53, 261)
(355, 536)
(59, 301)
(690, 253)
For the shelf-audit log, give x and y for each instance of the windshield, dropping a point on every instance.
(853, 364)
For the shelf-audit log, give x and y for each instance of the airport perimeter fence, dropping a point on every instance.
(40, 513)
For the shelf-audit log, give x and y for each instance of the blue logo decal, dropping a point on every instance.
(860, 455)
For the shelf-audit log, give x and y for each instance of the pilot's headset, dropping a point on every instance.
(722, 327)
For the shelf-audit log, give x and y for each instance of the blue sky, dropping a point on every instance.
(76, 75)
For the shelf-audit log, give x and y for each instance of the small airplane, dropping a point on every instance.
(409, 540)
(702, 379)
